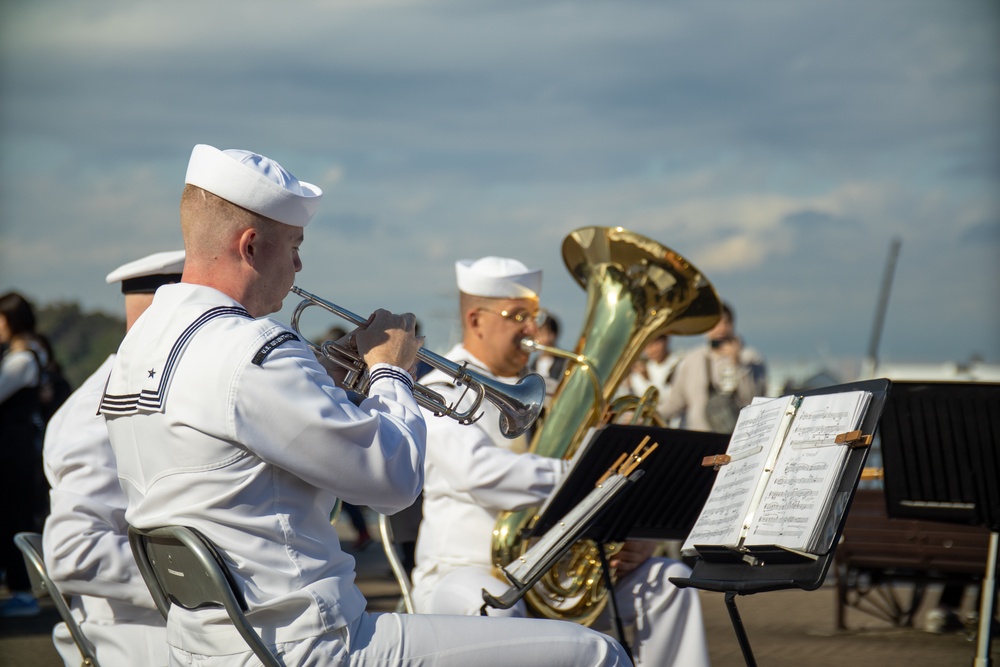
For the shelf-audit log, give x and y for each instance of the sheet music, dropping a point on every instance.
(797, 495)
(758, 432)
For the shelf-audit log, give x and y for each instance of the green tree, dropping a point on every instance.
(81, 340)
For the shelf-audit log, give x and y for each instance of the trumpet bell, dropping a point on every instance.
(519, 404)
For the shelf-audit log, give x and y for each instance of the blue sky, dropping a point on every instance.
(779, 145)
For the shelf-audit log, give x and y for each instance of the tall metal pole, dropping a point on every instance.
(871, 361)
(988, 592)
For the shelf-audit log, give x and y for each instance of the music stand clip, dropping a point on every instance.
(854, 439)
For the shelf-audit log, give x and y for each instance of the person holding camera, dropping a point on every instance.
(714, 381)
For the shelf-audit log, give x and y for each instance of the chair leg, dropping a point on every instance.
(396, 564)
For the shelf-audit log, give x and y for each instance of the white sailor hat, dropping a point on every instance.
(146, 274)
(498, 277)
(253, 182)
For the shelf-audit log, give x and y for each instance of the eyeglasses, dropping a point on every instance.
(520, 315)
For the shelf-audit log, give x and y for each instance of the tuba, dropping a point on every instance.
(636, 290)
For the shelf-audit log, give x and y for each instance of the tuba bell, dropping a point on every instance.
(636, 290)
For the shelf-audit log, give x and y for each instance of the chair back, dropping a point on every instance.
(181, 566)
(42, 585)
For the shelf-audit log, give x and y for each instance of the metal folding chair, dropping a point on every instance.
(396, 564)
(30, 545)
(181, 566)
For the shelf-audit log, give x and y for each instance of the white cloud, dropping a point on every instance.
(734, 254)
(779, 147)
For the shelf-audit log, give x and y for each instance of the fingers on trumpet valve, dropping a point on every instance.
(388, 338)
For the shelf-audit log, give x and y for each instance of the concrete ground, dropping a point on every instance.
(785, 629)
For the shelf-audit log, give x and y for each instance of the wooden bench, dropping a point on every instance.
(877, 553)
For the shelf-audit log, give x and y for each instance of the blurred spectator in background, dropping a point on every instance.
(655, 368)
(24, 353)
(714, 381)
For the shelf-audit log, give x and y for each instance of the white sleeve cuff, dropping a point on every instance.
(389, 372)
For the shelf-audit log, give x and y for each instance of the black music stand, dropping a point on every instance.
(941, 459)
(663, 504)
(726, 571)
(661, 510)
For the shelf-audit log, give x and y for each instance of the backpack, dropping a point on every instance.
(53, 387)
(722, 410)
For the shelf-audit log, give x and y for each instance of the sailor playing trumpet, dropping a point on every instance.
(223, 420)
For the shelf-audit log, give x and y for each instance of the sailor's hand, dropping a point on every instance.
(632, 554)
(388, 338)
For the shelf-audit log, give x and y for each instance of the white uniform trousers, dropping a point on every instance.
(115, 644)
(415, 640)
(669, 629)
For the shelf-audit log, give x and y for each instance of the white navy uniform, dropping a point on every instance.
(471, 475)
(85, 540)
(229, 425)
(658, 375)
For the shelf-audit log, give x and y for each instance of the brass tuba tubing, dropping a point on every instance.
(585, 364)
(519, 404)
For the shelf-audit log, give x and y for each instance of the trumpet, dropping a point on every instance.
(519, 404)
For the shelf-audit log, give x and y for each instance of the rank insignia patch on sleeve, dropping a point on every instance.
(265, 350)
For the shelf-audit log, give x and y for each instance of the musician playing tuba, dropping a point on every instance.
(472, 474)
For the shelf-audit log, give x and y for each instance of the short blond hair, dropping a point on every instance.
(209, 221)
(467, 302)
